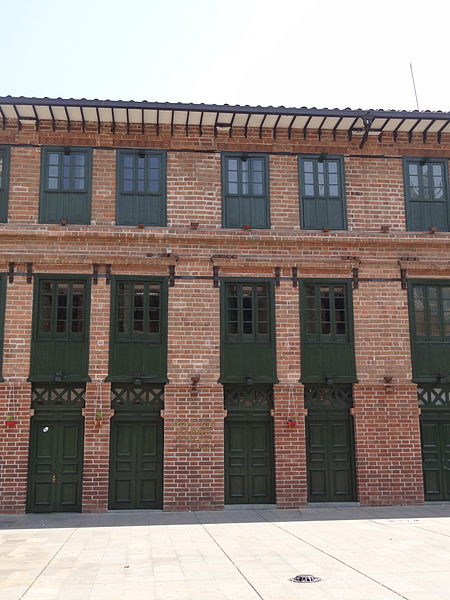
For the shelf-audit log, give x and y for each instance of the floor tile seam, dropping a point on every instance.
(335, 558)
(203, 526)
(48, 563)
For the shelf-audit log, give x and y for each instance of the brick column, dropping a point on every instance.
(15, 395)
(23, 203)
(193, 418)
(98, 399)
(388, 454)
(103, 211)
(290, 454)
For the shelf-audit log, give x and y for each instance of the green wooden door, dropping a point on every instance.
(435, 434)
(249, 472)
(136, 463)
(55, 464)
(330, 457)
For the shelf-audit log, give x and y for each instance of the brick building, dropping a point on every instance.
(206, 305)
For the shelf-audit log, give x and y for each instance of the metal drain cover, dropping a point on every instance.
(305, 579)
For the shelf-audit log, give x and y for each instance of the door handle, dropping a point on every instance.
(53, 478)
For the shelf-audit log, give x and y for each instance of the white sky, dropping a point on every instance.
(345, 53)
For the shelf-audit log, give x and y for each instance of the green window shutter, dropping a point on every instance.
(245, 191)
(138, 329)
(327, 351)
(4, 182)
(60, 344)
(322, 190)
(141, 187)
(426, 194)
(248, 332)
(66, 175)
(429, 308)
(2, 319)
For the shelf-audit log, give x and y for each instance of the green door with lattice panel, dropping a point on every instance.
(330, 456)
(55, 462)
(435, 437)
(249, 469)
(136, 462)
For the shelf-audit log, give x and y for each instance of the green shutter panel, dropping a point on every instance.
(248, 332)
(66, 175)
(141, 188)
(60, 344)
(138, 340)
(245, 191)
(429, 309)
(426, 194)
(322, 190)
(4, 182)
(327, 344)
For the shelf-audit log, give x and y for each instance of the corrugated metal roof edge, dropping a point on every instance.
(226, 108)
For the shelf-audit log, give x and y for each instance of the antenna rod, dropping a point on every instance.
(414, 85)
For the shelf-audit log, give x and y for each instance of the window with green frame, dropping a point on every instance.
(248, 332)
(429, 308)
(325, 312)
(327, 351)
(138, 329)
(322, 191)
(66, 185)
(138, 310)
(141, 187)
(60, 344)
(4, 182)
(247, 316)
(62, 309)
(245, 191)
(426, 194)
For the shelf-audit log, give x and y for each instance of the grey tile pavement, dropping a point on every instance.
(384, 553)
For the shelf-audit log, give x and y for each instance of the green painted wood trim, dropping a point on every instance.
(301, 186)
(442, 346)
(247, 343)
(162, 336)
(5, 152)
(160, 196)
(86, 329)
(45, 194)
(350, 376)
(266, 184)
(410, 225)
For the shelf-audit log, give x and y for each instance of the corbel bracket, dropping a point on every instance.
(215, 276)
(171, 275)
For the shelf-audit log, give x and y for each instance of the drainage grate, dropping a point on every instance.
(305, 579)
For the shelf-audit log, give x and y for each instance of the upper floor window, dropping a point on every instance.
(426, 194)
(322, 192)
(61, 309)
(431, 312)
(141, 187)
(245, 191)
(65, 186)
(138, 310)
(4, 182)
(325, 312)
(247, 311)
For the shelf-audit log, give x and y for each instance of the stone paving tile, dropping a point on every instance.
(360, 554)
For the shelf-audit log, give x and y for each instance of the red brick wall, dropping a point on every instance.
(16, 396)
(386, 423)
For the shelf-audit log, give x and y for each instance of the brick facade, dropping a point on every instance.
(386, 417)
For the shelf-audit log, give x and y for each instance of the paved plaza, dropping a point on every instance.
(359, 554)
